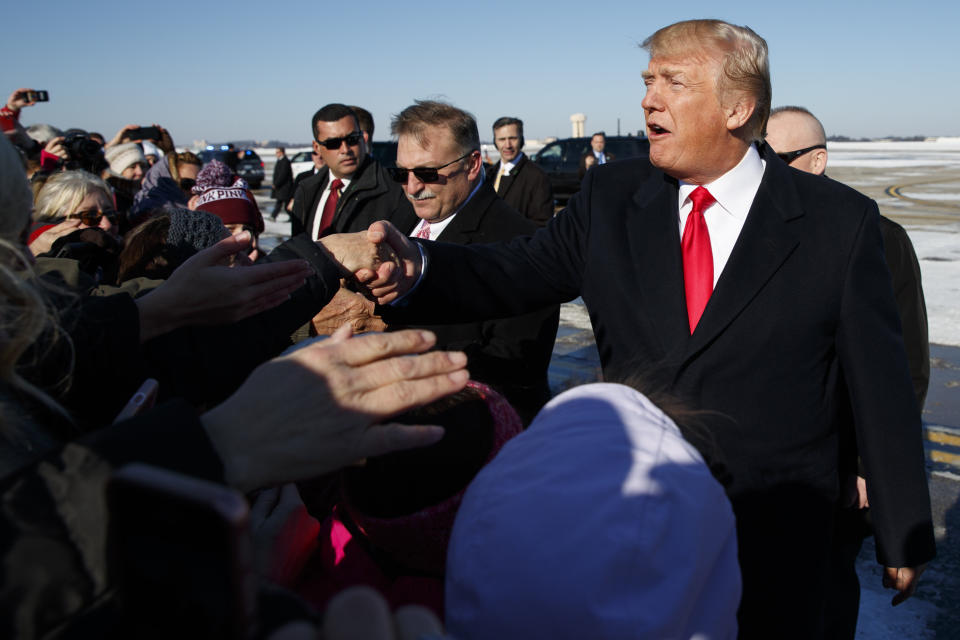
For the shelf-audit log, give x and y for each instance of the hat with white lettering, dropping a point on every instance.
(234, 204)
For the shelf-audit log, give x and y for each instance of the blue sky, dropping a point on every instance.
(259, 70)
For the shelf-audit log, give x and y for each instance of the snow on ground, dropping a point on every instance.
(938, 250)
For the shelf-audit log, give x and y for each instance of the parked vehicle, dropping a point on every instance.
(301, 161)
(244, 162)
(561, 160)
(385, 153)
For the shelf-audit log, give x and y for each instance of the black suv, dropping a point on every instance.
(385, 153)
(561, 160)
(243, 162)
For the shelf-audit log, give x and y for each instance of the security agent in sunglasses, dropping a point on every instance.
(442, 174)
(797, 136)
(360, 189)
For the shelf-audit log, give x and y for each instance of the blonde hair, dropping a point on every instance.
(26, 320)
(744, 61)
(63, 193)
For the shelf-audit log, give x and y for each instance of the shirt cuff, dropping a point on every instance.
(424, 261)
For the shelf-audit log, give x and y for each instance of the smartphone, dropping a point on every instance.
(143, 399)
(181, 556)
(143, 133)
(36, 96)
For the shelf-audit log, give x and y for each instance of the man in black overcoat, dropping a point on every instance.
(745, 301)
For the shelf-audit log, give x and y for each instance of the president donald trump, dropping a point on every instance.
(744, 286)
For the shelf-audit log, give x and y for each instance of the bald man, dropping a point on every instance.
(798, 138)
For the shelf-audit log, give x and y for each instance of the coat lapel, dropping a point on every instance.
(766, 241)
(465, 224)
(507, 181)
(652, 228)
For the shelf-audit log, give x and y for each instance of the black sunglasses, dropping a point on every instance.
(333, 144)
(790, 156)
(91, 217)
(424, 174)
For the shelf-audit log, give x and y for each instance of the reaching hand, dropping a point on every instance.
(205, 291)
(347, 307)
(361, 612)
(394, 279)
(315, 410)
(354, 251)
(903, 579)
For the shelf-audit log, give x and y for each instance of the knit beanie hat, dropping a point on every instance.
(122, 156)
(213, 174)
(150, 149)
(194, 230)
(233, 204)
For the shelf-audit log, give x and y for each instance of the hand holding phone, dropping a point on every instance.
(143, 133)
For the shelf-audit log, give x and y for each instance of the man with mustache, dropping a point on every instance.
(441, 172)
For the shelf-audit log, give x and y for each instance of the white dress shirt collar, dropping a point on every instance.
(734, 192)
(507, 167)
(436, 228)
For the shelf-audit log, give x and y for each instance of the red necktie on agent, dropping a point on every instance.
(424, 231)
(330, 206)
(697, 257)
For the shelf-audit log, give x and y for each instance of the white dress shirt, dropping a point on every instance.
(507, 167)
(318, 212)
(734, 192)
(436, 228)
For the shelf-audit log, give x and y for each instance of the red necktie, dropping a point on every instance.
(697, 257)
(424, 231)
(330, 206)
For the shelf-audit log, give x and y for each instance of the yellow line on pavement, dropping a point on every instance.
(945, 458)
(943, 438)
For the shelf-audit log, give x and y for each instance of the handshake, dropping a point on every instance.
(385, 263)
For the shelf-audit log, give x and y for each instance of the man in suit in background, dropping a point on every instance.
(520, 182)
(439, 167)
(798, 138)
(352, 190)
(741, 286)
(282, 182)
(365, 119)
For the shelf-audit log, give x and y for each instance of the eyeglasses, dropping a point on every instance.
(333, 144)
(91, 217)
(790, 156)
(424, 174)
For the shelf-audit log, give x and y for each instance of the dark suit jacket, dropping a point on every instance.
(371, 196)
(511, 354)
(303, 175)
(282, 179)
(527, 189)
(805, 291)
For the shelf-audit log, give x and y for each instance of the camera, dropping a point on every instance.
(84, 153)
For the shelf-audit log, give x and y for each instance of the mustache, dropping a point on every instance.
(426, 194)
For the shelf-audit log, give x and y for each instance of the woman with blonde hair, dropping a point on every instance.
(69, 201)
